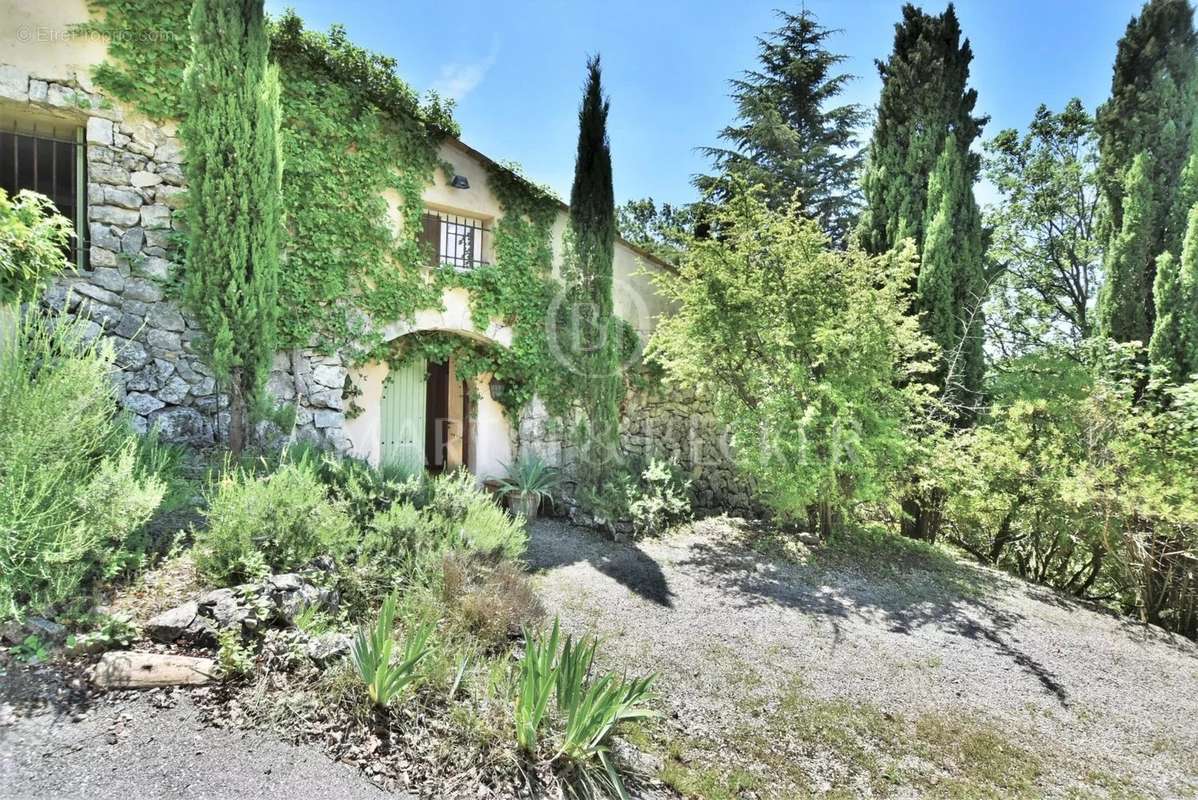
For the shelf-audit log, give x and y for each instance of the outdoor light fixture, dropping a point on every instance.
(498, 390)
(460, 182)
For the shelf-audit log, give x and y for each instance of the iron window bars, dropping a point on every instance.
(459, 242)
(53, 166)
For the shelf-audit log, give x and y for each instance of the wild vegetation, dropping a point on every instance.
(1018, 382)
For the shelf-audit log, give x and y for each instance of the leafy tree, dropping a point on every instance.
(1044, 241)
(786, 137)
(1151, 111)
(593, 234)
(234, 168)
(808, 353)
(662, 230)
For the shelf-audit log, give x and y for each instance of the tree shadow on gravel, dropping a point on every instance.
(625, 563)
(883, 579)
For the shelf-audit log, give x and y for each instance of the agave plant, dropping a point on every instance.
(530, 481)
(371, 656)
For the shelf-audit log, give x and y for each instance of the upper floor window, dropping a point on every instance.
(51, 160)
(460, 242)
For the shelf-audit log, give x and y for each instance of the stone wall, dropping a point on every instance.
(128, 294)
(673, 423)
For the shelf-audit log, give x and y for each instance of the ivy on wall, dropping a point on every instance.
(352, 132)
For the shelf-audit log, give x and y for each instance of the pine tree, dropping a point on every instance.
(234, 169)
(924, 98)
(785, 137)
(1154, 99)
(1125, 296)
(593, 229)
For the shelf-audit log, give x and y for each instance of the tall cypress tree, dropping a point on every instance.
(785, 137)
(924, 98)
(918, 185)
(1154, 99)
(234, 171)
(951, 279)
(1125, 297)
(1173, 349)
(593, 227)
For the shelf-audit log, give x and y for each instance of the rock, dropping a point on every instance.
(140, 403)
(94, 292)
(109, 278)
(169, 152)
(171, 625)
(328, 647)
(12, 632)
(45, 629)
(171, 196)
(110, 174)
(14, 83)
(114, 215)
(182, 424)
(125, 198)
(332, 377)
(104, 236)
(132, 242)
(156, 216)
(143, 290)
(166, 317)
(129, 670)
(227, 610)
(153, 267)
(130, 355)
(175, 391)
(327, 419)
(141, 179)
(164, 340)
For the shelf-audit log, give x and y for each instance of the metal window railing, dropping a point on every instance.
(459, 242)
(53, 166)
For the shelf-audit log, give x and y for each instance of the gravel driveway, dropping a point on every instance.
(902, 630)
(57, 743)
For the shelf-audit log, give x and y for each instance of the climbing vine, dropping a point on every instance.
(359, 147)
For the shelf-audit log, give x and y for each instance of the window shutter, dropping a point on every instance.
(431, 235)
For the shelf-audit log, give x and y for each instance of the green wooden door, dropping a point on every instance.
(403, 415)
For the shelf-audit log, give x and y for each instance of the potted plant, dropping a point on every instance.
(530, 480)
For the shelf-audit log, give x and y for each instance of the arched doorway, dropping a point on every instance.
(468, 426)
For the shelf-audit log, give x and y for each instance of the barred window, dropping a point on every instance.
(460, 242)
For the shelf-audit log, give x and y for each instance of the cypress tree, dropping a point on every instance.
(918, 185)
(785, 137)
(234, 170)
(1154, 99)
(593, 226)
(1174, 346)
(951, 280)
(1126, 295)
(924, 98)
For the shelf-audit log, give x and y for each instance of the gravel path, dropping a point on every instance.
(151, 745)
(906, 632)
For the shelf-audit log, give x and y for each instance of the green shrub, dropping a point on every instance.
(367, 491)
(32, 241)
(234, 659)
(276, 522)
(660, 499)
(72, 497)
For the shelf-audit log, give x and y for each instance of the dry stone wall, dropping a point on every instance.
(129, 292)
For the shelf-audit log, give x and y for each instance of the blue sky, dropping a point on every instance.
(516, 68)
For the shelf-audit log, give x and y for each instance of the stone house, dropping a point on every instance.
(119, 176)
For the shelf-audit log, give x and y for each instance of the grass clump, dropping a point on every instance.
(371, 656)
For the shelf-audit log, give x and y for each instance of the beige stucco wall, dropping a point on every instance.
(36, 36)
